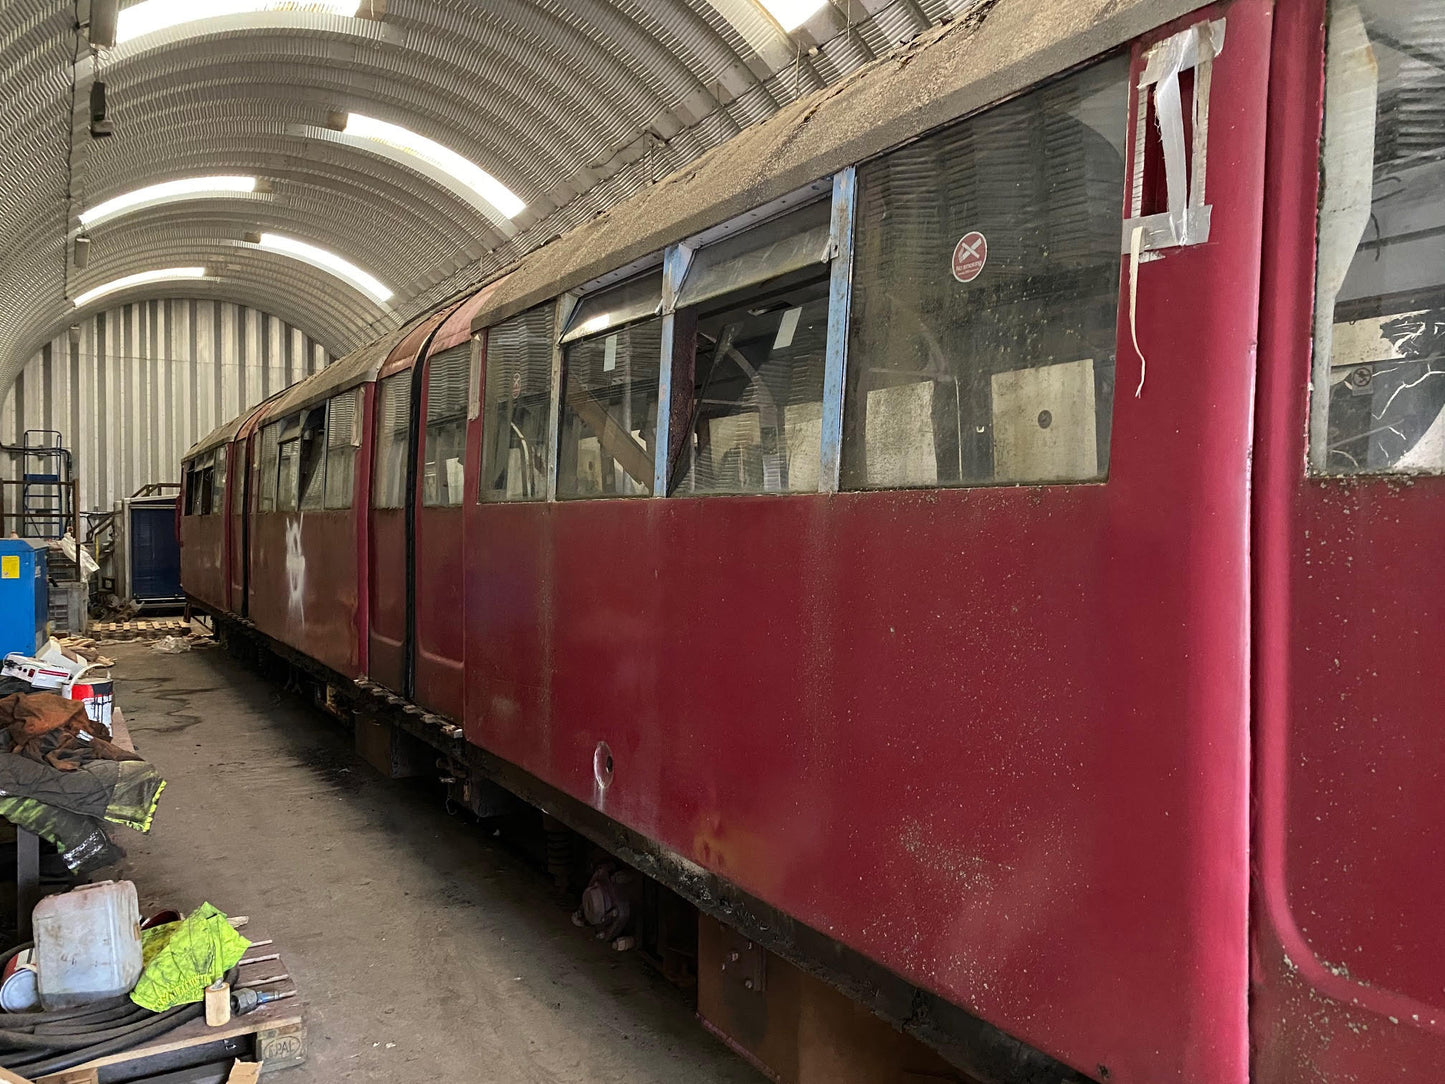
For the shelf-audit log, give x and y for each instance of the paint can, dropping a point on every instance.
(19, 990)
(97, 694)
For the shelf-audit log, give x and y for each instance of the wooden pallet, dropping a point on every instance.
(139, 628)
(274, 1035)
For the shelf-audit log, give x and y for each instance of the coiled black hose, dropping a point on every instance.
(156, 1024)
(38, 1043)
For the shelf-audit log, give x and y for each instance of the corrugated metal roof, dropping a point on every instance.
(573, 105)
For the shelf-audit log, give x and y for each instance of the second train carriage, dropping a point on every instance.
(924, 525)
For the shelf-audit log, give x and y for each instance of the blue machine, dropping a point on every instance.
(24, 597)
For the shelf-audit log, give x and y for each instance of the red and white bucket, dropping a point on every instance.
(97, 694)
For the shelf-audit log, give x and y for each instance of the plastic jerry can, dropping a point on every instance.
(87, 944)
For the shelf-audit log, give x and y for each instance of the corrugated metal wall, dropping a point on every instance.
(145, 382)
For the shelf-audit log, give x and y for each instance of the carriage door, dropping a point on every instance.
(386, 521)
(235, 513)
(1351, 547)
(437, 655)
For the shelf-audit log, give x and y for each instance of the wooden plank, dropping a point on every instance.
(270, 1019)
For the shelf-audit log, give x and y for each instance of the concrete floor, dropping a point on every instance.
(424, 951)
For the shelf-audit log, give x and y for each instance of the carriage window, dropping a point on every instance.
(203, 489)
(791, 242)
(288, 461)
(1378, 387)
(218, 484)
(757, 415)
(266, 489)
(609, 401)
(634, 299)
(343, 437)
(447, 383)
(516, 458)
(985, 302)
(192, 484)
(393, 423)
(609, 413)
(312, 459)
(238, 489)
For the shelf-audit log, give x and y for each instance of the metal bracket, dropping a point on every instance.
(744, 962)
(1186, 222)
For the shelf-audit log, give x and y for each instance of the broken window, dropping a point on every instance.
(756, 424)
(343, 438)
(393, 425)
(985, 300)
(516, 456)
(447, 383)
(609, 402)
(1378, 383)
(312, 459)
(266, 488)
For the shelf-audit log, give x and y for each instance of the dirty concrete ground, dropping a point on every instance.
(424, 951)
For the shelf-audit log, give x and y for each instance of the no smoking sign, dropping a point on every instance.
(969, 256)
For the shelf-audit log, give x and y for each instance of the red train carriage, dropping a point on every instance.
(309, 488)
(450, 394)
(388, 513)
(204, 528)
(914, 519)
(212, 524)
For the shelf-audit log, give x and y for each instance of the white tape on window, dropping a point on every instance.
(1136, 242)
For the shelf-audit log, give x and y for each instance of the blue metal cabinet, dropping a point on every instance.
(24, 597)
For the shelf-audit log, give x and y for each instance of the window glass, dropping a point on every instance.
(238, 489)
(447, 378)
(757, 415)
(986, 282)
(1378, 402)
(218, 485)
(609, 413)
(188, 475)
(312, 459)
(206, 474)
(617, 305)
(266, 489)
(516, 456)
(788, 243)
(393, 423)
(343, 437)
(286, 474)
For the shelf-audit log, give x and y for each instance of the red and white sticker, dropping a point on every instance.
(969, 256)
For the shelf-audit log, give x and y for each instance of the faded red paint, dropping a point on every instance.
(1350, 761)
(386, 585)
(304, 584)
(203, 564)
(996, 739)
(439, 625)
(999, 739)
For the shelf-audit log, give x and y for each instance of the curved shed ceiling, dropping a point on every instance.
(572, 104)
